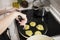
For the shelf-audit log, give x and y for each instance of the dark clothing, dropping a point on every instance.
(4, 36)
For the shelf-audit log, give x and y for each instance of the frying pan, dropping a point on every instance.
(37, 20)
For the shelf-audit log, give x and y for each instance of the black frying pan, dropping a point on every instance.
(22, 31)
(38, 20)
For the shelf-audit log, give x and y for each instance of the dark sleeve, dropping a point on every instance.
(4, 36)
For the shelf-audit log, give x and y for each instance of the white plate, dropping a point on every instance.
(40, 37)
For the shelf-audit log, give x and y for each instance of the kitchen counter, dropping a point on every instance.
(56, 37)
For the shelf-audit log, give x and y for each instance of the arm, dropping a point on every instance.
(5, 22)
(2, 11)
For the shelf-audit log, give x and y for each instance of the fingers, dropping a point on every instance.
(24, 21)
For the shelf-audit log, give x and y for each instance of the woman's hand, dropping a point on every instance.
(16, 14)
(24, 21)
(7, 20)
